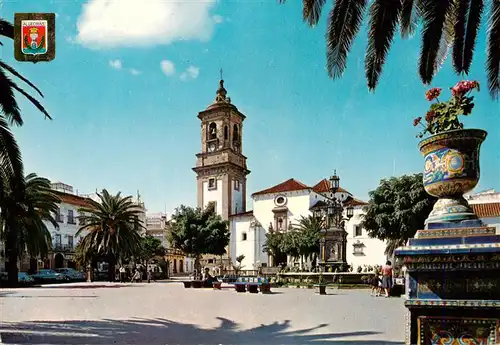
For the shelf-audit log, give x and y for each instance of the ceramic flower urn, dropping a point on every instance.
(451, 170)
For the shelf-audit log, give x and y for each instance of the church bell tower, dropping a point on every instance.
(221, 167)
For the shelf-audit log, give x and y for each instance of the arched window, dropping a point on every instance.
(226, 133)
(212, 131)
(236, 134)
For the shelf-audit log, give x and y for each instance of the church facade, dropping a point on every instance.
(280, 207)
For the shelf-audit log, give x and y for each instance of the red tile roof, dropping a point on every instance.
(323, 186)
(287, 186)
(486, 210)
(355, 202)
(72, 199)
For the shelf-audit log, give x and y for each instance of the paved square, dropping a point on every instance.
(166, 313)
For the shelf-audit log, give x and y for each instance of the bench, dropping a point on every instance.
(240, 287)
(265, 288)
(253, 287)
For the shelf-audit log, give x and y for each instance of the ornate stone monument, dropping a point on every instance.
(453, 265)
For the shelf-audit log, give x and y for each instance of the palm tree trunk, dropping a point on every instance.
(11, 253)
(111, 267)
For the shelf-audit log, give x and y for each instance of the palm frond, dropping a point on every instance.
(447, 38)
(6, 29)
(384, 15)
(433, 16)
(17, 74)
(8, 103)
(462, 9)
(493, 62)
(35, 102)
(473, 24)
(344, 22)
(10, 157)
(312, 11)
(408, 17)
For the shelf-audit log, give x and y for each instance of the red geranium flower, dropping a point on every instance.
(433, 93)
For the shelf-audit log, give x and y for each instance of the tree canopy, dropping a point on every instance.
(448, 27)
(112, 229)
(151, 247)
(197, 232)
(397, 209)
(23, 218)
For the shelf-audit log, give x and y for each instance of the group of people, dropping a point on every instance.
(382, 281)
(135, 276)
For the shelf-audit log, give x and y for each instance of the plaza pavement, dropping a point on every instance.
(166, 313)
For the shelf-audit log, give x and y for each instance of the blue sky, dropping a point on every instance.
(125, 121)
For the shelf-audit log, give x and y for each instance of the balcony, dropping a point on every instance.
(63, 247)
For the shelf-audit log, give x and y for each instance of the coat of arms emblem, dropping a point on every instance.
(34, 40)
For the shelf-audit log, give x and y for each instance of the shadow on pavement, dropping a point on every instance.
(162, 331)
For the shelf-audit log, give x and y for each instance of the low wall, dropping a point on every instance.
(328, 277)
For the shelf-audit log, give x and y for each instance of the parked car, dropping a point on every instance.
(71, 274)
(22, 277)
(25, 279)
(49, 276)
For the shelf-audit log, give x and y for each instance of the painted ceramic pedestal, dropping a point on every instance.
(452, 266)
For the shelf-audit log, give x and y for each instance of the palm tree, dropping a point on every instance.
(24, 214)
(274, 245)
(112, 227)
(309, 229)
(447, 25)
(10, 155)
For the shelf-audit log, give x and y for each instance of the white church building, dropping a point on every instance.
(281, 206)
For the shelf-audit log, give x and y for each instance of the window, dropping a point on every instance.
(237, 185)
(226, 133)
(244, 236)
(210, 261)
(358, 230)
(212, 183)
(358, 250)
(71, 218)
(58, 241)
(59, 217)
(236, 134)
(70, 242)
(212, 131)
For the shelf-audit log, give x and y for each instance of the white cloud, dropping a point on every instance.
(217, 19)
(116, 64)
(192, 72)
(167, 67)
(110, 23)
(133, 71)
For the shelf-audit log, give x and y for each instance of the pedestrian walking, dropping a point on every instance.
(387, 278)
(122, 274)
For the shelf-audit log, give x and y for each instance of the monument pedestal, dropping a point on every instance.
(452, 286)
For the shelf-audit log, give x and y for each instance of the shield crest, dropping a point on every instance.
(34, 40)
